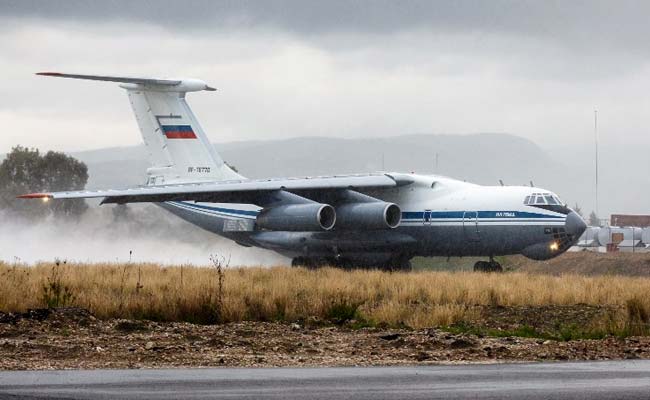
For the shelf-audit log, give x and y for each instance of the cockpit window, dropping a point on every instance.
(550, 199)
(542, 199)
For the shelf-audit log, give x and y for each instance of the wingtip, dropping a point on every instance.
(49, 73)
(35, 196)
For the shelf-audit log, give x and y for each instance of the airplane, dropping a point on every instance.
(373, 220)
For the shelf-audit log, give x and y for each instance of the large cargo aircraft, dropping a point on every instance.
(378, 220)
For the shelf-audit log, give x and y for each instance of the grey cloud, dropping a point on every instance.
(335, 66)
(595, 38)
(596, 19)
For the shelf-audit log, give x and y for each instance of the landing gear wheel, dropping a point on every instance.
(487, 266)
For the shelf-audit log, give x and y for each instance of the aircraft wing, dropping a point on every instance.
(244, 191)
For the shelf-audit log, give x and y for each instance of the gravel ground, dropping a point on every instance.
(73, 338)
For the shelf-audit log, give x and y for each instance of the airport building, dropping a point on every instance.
(639, 221)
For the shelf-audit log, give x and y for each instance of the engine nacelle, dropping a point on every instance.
(298, 217)
(372, 215)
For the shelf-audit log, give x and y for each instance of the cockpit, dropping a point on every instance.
(542, 199)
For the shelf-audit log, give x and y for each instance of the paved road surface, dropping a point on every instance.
(588, 380)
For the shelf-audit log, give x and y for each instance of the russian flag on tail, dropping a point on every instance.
(178, 132)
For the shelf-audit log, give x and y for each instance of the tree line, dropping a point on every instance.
(27, 170)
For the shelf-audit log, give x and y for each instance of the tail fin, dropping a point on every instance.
(178, 148)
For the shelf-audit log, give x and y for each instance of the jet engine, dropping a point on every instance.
(298, 217)
(372, 215)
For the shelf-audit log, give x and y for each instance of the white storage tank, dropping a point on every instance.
(628, 236)
(589, 237)
(645, 235)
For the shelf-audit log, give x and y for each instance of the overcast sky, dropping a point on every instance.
(351, 69)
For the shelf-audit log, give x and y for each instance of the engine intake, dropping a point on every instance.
(298, 217)
(373, 215)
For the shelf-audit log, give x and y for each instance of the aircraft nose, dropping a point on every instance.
(574, 224)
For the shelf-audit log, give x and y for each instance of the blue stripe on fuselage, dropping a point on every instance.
(481, 215)
(409, 215)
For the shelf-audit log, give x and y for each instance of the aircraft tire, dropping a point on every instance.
(496, 267)
(487, 266)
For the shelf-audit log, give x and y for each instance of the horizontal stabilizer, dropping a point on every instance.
(173, 84)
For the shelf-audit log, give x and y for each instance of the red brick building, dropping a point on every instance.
(640, 221)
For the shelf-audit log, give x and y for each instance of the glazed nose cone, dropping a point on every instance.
(574, 224)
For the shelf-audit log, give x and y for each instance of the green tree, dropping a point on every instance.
(25, 170)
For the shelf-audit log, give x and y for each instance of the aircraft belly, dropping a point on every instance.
(490, 239)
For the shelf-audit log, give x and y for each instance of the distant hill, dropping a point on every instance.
(476, 157)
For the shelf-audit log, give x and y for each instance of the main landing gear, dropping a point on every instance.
(488, 266)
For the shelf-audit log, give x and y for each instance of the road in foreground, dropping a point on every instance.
(587, 380)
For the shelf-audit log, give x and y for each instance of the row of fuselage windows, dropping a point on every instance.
(542, 199)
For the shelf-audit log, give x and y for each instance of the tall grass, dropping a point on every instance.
(419, 299)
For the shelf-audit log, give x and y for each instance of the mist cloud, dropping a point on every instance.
(151, 234)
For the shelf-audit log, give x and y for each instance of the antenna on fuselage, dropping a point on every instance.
(531, 184)
(501, 182)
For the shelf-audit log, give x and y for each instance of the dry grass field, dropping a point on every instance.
(217, 294)
(577, 263)
(586, 263)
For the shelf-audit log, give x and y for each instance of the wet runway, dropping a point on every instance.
(584, 380)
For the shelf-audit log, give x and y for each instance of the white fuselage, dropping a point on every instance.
(440, 216)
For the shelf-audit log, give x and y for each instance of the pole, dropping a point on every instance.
(596, 145)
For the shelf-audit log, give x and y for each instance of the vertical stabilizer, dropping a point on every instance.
(178, 149)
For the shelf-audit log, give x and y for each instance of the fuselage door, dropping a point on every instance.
(426, 217)
(470, 226)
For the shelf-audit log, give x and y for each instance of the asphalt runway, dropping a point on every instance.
(584, 380)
